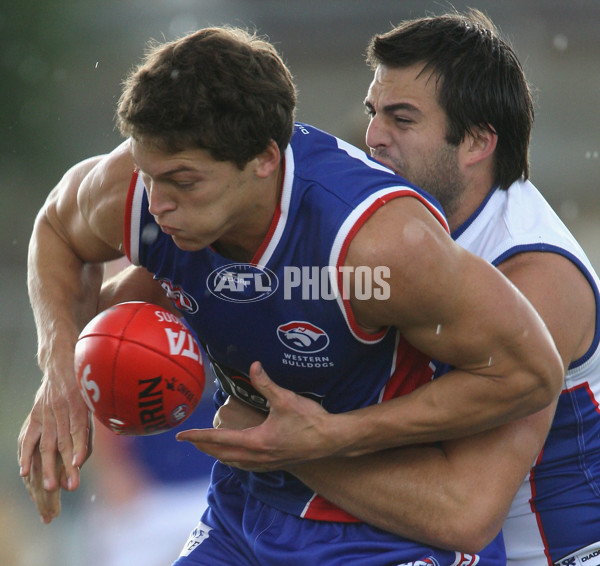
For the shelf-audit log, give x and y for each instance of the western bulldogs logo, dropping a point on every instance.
(242, 283)
(183, 301)
(302, 337)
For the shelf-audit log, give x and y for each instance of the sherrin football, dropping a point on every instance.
(139, 369)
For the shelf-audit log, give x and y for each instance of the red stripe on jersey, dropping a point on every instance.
(276, 216)
(127, 219)
(320, 509)
(411, 370)
(538, 518)
(534, 510)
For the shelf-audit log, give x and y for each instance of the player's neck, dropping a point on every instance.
(470, 200)
(245, 241)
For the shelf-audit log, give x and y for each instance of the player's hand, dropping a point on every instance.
(54, 442)
(295, 430)
(46, 501)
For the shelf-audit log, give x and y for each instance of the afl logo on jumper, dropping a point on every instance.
(242, 283)
(302, 337)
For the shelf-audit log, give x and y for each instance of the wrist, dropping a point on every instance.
(357, 433)
(57, 356)
(344, 434)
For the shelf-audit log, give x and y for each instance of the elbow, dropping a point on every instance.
(470, 532)
(472, 519)
(539, 382)
(472, 539)
(459, 534)
(468, 525)
(549, 381)
(558, 379)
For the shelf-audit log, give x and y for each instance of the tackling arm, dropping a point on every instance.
(456, 495)
(79, 227)
(457, 308)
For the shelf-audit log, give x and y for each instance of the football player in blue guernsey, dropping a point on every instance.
(286, 248)
(424, 105)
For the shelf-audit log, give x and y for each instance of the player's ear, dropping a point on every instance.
(480, 144)
(268, 161)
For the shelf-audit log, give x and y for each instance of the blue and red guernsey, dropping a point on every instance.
(286, 308)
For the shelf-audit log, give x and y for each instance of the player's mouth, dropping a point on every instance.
(169, 230)
(384, 160)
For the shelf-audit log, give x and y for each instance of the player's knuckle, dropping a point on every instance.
(63, 443)
(77, 426)
(46, 446)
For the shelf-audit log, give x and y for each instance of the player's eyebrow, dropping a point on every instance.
(391, 108)
(178, 169)
(171, 172)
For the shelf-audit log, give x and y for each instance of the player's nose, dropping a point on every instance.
(376, 134)
(159, 200)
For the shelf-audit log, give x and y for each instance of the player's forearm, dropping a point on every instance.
(63, 291)
(377, 489)
(454, 495)
(455, 405)
(524, 376)
(412, 492)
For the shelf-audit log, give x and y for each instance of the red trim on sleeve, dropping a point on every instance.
(401, 192)
(344, 252)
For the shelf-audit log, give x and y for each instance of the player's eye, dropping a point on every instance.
(401, 120)
(185, 185)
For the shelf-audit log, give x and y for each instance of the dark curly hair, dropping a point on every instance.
(220, 89)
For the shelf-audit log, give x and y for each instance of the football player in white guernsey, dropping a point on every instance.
(450, 109)
(208, 119)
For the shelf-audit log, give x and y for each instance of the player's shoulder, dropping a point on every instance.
(114, 166)
(102, 192)
(403, 227)
(106, 180)
(113, 171)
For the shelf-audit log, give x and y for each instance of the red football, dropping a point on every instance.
(139, 369)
